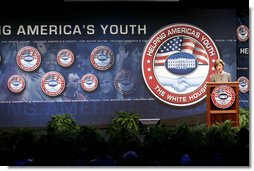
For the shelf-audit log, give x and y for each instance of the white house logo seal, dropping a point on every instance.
(65, 58)
(244, 84)
(223, 96)
(52, 83)
(102, 58)
(242, 33)
(125, 82)
(177, 62)
(28, 58)
(16, 83)
(89, 82)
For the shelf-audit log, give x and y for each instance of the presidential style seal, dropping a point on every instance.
(223, 96)
(65, 58)
(177, 62)
(28, 58)
(102, 58)
(242, 33)
(126, 82)
(16, 83)
(244, 84)
(89, 82)
(52, 83)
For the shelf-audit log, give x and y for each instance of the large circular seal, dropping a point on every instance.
(52, 83)
(28, 58)
(65, 58)
(223, 96)
(102, 58)
(16, 83)
(177, 62)
(89, 82)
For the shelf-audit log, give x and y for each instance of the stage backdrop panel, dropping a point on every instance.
(94, 64)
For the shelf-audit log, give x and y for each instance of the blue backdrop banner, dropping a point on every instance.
(92, 65)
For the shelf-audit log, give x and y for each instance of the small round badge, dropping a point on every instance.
(28, 58)
(125, 82)
(244, 84)
(242, 33)
(223, 96)
(102, 58)
(16, 83)
(89, 82)
(52, 83)
(65, 58)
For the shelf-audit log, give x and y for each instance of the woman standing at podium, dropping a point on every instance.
(221, 75)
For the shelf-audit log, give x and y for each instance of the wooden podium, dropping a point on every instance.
(222, 102)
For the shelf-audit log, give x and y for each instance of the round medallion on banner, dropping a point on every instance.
(102, 58)
(242, 33)
(89, 82)
(65, 58)
(223, 96)
(177, 62)
(28, 59)
(244, 84)
(16, 83)
(125, 82)
(52, 83)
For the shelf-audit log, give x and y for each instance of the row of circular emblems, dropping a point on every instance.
(125, 82)
(29, 58)
(177, 62)
(53, 83)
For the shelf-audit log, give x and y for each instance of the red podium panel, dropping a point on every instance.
(222, 102)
